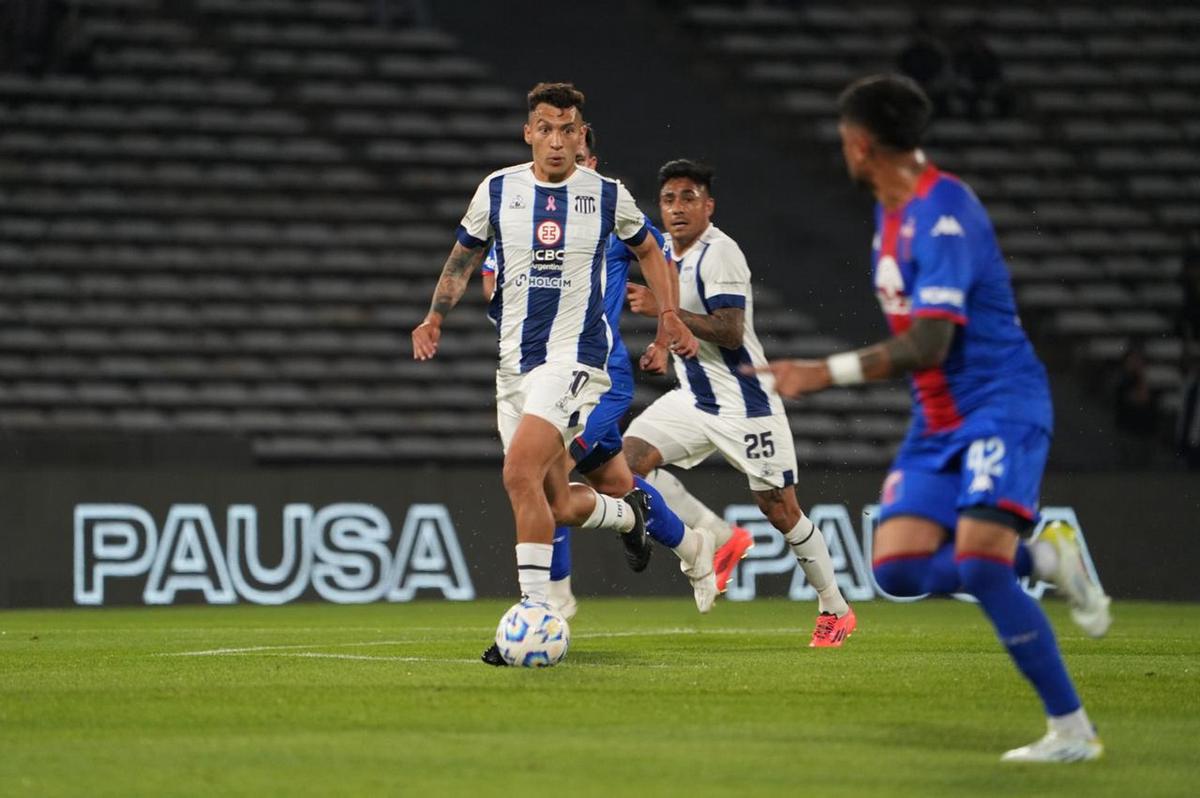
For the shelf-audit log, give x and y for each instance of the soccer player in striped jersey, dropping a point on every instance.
(550, 221)
(718, 408)
(966, 480)
(595, 452)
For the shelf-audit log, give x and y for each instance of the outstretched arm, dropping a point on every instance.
(673, 334)
(924, 345)
(455, 274)
(723, 327)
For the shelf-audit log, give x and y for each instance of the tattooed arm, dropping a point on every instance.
(723, 327)
(922, 346)
(455, 275)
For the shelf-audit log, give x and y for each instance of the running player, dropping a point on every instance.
(719, 408)
(594, 453)
(551, 220)
(972, 463)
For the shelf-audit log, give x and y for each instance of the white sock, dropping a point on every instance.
(533, 569)
(1073, 724)
(689, 548)
(609, 513)
(1045, 560)
(808, 544)
(559, 590)
(690, 510)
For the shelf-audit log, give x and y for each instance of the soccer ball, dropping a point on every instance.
(532, 634)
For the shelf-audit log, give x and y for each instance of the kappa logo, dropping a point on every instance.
(517, 203)
(947, 226)
(549, 232)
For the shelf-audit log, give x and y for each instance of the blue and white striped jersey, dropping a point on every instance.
(713, 274)
(550, 241)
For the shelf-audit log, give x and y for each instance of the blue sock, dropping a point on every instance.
(1022, 628)
(1023, 563)
(662, 524)
(917, 575)
(902, 576)
(560, 559)
(943, 576)
(938, 574)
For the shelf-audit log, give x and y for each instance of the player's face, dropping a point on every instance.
(686, 209)
(555, 134)
(856, 150)
(585, 158)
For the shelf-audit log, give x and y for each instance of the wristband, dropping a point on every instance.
(845, 369)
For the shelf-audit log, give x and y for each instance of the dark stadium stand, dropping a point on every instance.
(1092, 182)
(231, 224)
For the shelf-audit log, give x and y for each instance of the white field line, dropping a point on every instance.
(216, 652)
(677, 631)
(371, 658)
(319, 655)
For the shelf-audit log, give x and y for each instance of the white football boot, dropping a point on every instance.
(562, 599)
(1057, 746)
(1088, 602)
(701, 573)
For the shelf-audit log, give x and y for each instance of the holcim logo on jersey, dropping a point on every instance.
(556, 281)
(771, 556)
(345, 552)
(549, 232)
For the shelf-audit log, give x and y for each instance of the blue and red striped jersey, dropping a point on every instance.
(938, 257)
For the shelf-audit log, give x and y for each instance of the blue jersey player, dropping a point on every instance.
(966, 479)
(594, 452)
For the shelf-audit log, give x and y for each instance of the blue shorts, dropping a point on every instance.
(983, 464)
(601, 440)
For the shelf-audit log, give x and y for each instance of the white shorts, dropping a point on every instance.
(563, 394)
(761, 448)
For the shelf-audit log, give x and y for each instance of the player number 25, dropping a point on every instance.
(759, 446)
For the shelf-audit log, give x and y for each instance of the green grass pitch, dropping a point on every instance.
(652, 700)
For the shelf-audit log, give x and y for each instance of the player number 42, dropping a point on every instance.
(759, 446)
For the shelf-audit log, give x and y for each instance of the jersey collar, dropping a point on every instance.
(700, 239)
(926, 181)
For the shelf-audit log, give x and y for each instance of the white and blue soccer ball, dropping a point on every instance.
(532, 634)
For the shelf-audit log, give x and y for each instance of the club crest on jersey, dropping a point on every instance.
(585, 204)
(889, 287)
(893, 488)
(549, 232)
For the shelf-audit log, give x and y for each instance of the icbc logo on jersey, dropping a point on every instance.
(549, 232)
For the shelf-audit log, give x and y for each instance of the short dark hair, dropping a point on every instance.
(700, 173)
(560, 95)
(893, 109)
(589, 138)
